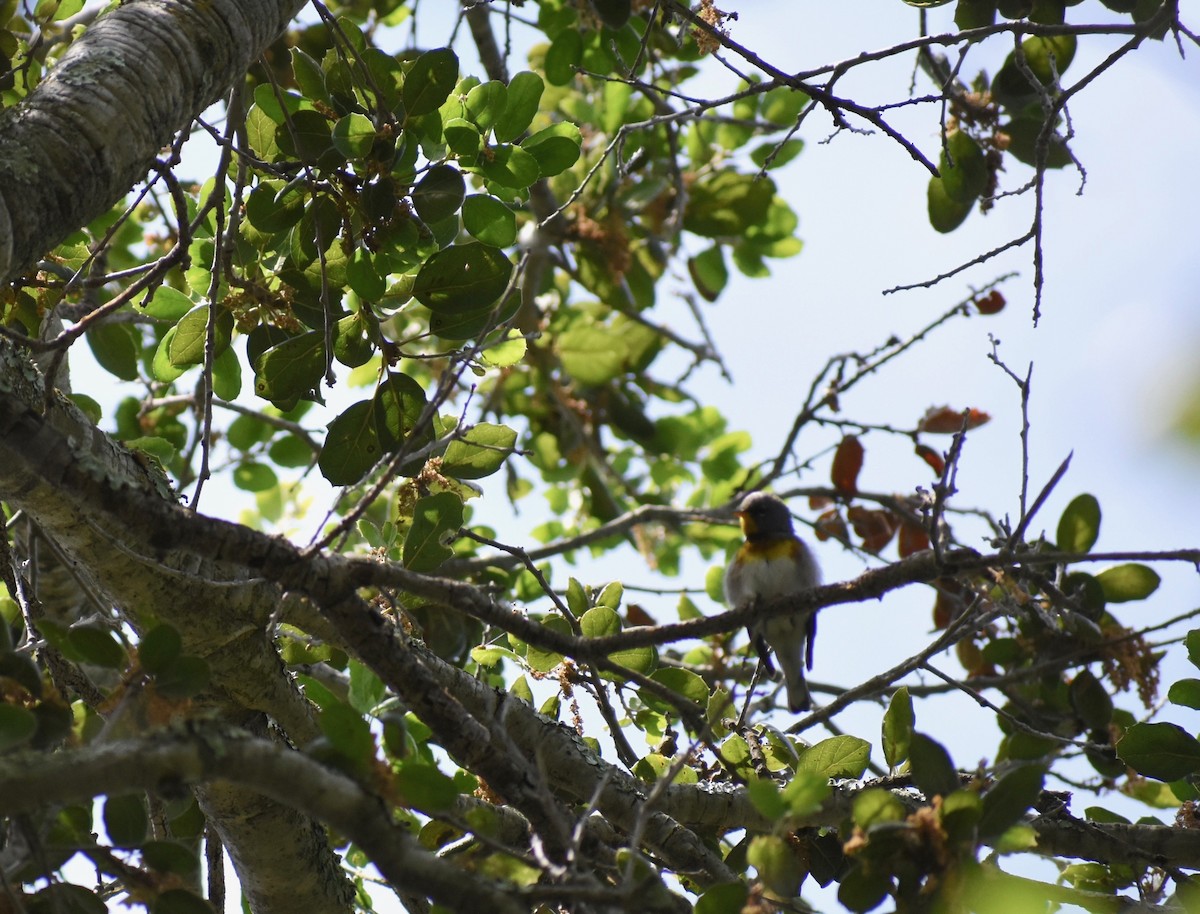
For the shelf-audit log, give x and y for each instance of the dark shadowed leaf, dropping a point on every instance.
(351, 446)
(439, 194)
(292, 368)
(125, 819)
(463, 277)
(1008, 799)
(932, 769)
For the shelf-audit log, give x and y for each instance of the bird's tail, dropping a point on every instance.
(797, 690)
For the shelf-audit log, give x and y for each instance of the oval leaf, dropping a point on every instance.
(351, 446)
(461, 278)
(1079, 526)
(1162, 751)
(1124, 583)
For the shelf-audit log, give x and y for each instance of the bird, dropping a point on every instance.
(773, 562)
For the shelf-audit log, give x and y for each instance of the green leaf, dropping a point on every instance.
(429, 82)
(1007, 800)
(932, 769)
(945, 212)
(556, 148)
(964, 173)
(806, 792)
(17, 726)
(398, 404)
(489, 220)
(1123, 583)
(469, 324)
(425, 788)
(485, 104)
(727, 204)
(778, 866)
(158, 648)
(729, 898)
(1079, 526)
(439, 194)
(541, 660)
(524, 93)
(435, 519)
(307, 135)
(480, 452)
(250, 476)
(688, 684)
(310, 78)
(766, 798)
(170, 857)
(709, 273)
(863, 889)
(463, 138)
(274, 206)
(97, 645)
(347, 731)
(354, 136)
(1185, 692)
(125, 820)
(507, 352)
(179, 901)
(462, 278)
(19, 667)
(876, 805)
(837, 757)
(184, 677)
(593, 354)
(366, 688)
(290, 369)
(509, 166)
(898, 727)
(600, 622)
(116, 349)
(1162, 751)
(1023, 137)
(351, 345)
(1192, 642)
(351, 445)
(187, 346)
(1090, 701)
(563, 57)
(227, 375)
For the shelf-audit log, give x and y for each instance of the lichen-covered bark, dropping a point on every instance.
(95, 125)
(85, 135)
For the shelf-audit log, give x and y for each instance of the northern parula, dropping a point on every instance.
(773, 562)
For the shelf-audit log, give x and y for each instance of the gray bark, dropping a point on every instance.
(93, 128)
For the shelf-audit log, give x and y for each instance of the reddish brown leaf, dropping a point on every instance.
(817, 502)
(971, 658)
(876, 528)
(936, 461)
(949, 604)
(847, 462)
(913, 538)
(636, 615)
(992, 303)
(830, 526)
(942, 420)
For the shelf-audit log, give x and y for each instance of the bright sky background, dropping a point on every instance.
(1112, 354)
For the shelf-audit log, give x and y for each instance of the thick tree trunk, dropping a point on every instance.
(71, 150)
(94, 126)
